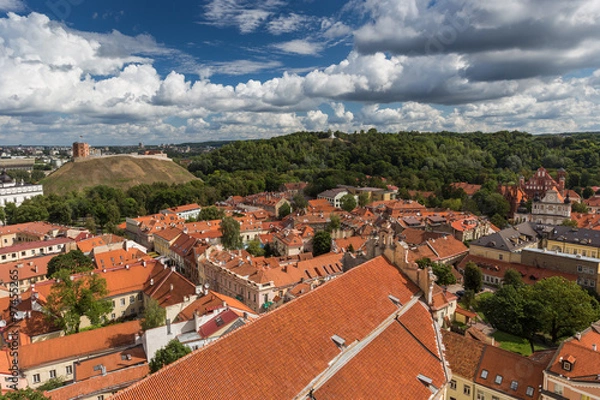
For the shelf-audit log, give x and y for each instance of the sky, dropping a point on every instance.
(121, 72)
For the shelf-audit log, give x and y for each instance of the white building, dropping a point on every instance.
(11, 192)
(552, 209)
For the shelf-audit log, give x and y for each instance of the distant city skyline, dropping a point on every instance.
(120, 73)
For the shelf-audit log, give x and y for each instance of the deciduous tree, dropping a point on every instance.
(473, 278)
(72, 297)
(348, 202)
(172, 352)
(321, 243)
(230, 229)
(154, 315)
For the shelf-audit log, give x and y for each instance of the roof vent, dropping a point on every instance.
(339, 341)
(425, 379)
(394, 300)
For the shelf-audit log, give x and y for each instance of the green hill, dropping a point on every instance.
(120, 172)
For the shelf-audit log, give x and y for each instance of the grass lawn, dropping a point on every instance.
(515, 344)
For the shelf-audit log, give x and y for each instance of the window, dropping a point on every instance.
(52, 373)
(500, 256)
(122, 302)
(113, 316)
(566, 366)
(514, 385)
(495, 398)
(100, 397)
(558, 389)
(69, 369)
(140, 296)
(529, 391)
(453, 384)
(480, 395)
(131, 299)
(467, 390)
(498, 379)
(114, 304)
(36, 378)
(484, 373)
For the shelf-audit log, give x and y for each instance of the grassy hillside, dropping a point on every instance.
(120, 172)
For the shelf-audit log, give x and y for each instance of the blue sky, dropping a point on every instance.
(119, 72)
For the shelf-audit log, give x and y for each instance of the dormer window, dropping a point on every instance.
(498, 379)
(484, 374)
(567, 365)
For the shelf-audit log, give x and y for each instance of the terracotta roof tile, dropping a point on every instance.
(298, 334)
(108, 383)
(463, 354)
(78, 344)
(112, 362)
(395, 368)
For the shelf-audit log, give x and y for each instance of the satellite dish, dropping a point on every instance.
(206, 285)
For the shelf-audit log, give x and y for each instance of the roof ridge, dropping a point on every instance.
(355, 348)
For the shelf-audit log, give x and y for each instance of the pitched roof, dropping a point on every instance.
(87, 245)
(584, 355)
(414, 331)
(37, 266)
(211, 301)
(112, 362)
(33, 228)
(469, 188)
(297, 337)
(23, 246)
(100, 384)
(510, 373)
(118, 257)
(78, 344)
(510, 239)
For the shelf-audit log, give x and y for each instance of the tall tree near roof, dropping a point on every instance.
(74, 297)
(473, 278)
(230, 230)
(172, 352)
(321, 243)
(74, 261)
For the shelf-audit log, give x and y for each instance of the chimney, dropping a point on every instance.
(594, 347)
(171, 288)
(151, 281)
(578, 335)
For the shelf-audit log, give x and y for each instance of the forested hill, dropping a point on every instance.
(412, 160)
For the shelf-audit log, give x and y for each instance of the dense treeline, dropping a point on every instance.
(412, 160)
(409, 160)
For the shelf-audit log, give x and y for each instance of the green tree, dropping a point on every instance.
(514, 309)
(71, 299)
(299, 201)
(579, 207)
(321, 243)
(334, 223)
(24, 394)
(348, 202)
(230, 229)
(28, 212)
(74, 262)
(443, 273)
(473, 278)
(210, 213)
(255, 249)
(569, 222)
(512, 277)
(172, 352)
(2, 215)
(284, 210)
(154, 315)
(60, 213)
(587, 192)
(499, 221)
(567, 308)
(363, 199)
(52, 383)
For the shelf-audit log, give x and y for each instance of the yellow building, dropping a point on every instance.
(507, 244)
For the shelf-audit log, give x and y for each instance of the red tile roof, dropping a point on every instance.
(101, 384)
(210, 302)
(584, 358)
(88, 245)
(79, 344)
(390, 367)
(29, 268)
(463, 354)
(112, 362)
(278, 355)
